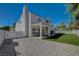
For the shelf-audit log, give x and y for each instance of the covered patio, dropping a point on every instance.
(40, 30)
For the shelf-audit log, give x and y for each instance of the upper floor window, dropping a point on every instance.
(47, 21)
(39, 20)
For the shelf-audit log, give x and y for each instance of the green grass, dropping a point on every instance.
(67, 38)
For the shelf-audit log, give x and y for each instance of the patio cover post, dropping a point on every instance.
(40, 31)
(48, 30)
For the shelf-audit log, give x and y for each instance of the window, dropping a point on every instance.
(46, 21)
(46, 28)
(39, 20)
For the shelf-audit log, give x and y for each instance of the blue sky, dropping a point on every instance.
(10, 13)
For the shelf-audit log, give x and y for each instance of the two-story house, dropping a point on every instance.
(32, 25)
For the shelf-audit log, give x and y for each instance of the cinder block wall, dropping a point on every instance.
(1, 36)
(75, 32)
(13, 34)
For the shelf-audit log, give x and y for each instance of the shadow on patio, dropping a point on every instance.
(7, 48)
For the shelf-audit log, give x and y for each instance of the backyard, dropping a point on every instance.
(65, 38)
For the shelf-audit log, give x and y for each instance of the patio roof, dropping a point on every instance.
(38, 24)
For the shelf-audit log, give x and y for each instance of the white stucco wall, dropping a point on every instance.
(22, 24)
(1, 36)
(34, 18)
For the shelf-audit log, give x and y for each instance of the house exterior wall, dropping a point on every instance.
(34, 18)
(37, 19)
(22, 24)
(30, 24)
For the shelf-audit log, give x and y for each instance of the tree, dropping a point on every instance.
(73, 10)
(61, 26)
(7, 28)
(12, 27)
(70, 25)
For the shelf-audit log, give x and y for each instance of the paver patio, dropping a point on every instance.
(36, 47)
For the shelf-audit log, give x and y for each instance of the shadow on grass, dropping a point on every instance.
(56, 36)
(8, 48)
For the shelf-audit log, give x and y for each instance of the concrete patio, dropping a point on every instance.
(36, 47)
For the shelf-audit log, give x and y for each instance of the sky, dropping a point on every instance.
(55, 12)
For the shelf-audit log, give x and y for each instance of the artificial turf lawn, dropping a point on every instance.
(66, 38)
